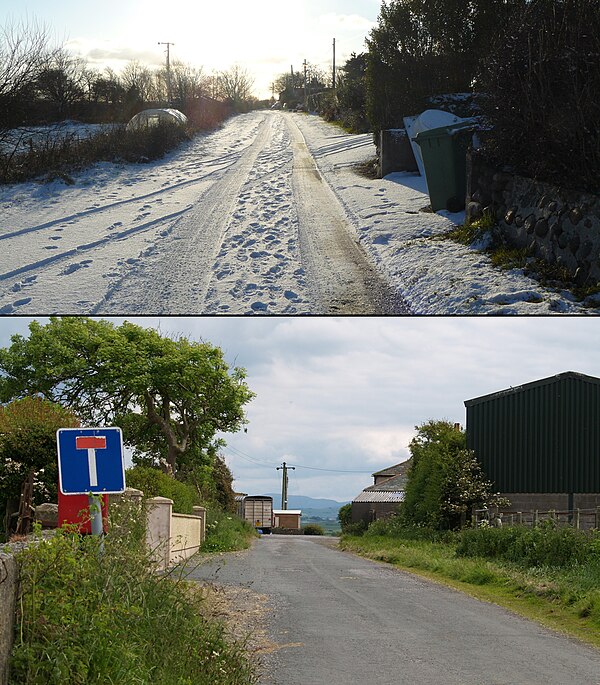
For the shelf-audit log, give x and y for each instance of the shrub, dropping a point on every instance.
(59, 155)
(155, 483)
(357, 528)
(541, 546)
(313, 529)
(226, 532)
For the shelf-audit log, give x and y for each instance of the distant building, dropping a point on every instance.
(383, 497)
(539, 443)
(290, 519)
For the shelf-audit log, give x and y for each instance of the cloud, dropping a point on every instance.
(345, 23)
(345, 394)
(101, 53)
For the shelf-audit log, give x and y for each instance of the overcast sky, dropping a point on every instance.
(342, 394)
(267, 36)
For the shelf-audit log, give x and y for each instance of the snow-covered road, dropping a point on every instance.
(266, 215)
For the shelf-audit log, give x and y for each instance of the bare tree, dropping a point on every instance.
(236, 86)
(137, 77)
(187, 82)
(24, 53)
(63, 80)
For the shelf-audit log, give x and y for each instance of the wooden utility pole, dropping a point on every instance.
(284, 484)
(334, 64)
(168, 70)
(305, 65)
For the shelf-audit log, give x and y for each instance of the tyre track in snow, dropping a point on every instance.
(344, 280)
(180, 273)
(66, 262)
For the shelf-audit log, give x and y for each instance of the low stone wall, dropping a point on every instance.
(172, 538)
(559, 226)
(186, 536)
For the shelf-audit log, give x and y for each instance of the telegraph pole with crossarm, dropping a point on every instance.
(284, 484)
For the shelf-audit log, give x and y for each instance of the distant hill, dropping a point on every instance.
(303, 502)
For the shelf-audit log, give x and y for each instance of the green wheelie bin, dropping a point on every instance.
(444, 152)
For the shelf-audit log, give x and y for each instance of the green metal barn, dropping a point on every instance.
(540, 442)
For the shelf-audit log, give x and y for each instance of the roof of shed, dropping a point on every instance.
(395, 484)
(279, 512)
(395, 470)
(533, 384)
(379, 496)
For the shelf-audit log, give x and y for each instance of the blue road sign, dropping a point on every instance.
(90, 460)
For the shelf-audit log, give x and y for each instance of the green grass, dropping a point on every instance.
(87, 619)
(566, 599)
(226, 532)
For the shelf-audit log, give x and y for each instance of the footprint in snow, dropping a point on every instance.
(72, 268)
(259, 307)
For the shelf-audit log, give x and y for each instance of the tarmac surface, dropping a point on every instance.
(338, 619)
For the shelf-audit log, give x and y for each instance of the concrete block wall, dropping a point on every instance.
(172, 538)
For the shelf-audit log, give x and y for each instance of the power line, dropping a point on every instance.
(258, 462)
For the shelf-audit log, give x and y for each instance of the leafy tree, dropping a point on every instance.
(351, 94)
(171, 397)
(421, 48)
(542, 83)
(28, 446)
(345, 516)
(445, 480)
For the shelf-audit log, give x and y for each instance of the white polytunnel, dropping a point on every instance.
(153, 117)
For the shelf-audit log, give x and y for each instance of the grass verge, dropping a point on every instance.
(87, 618)
(563, 599)
(480, 236)
(58, 157)
(226, 532)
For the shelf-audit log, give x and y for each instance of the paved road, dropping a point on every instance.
(344, 620)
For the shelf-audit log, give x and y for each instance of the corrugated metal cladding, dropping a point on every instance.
(540, 437)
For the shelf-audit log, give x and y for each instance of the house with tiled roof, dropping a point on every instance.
(383, 497)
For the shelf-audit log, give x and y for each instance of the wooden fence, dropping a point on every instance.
(584, 519)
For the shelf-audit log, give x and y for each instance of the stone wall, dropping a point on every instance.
(558, 226)
(9, 587)
(372, 511)
(170, 537)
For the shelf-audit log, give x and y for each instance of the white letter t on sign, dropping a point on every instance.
(91, 443)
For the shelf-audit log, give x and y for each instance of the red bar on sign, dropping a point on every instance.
(90, 442)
